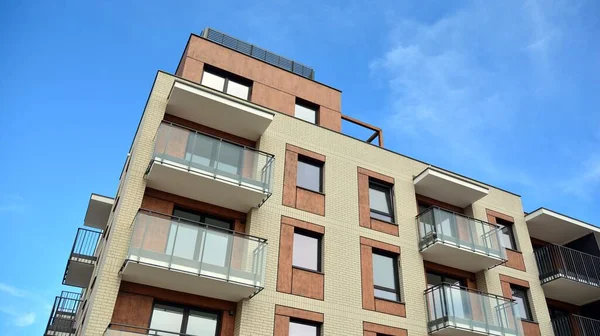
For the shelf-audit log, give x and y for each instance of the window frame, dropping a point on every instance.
(308, 323)
(227, 76)
(310, 106)
(396, 290)
(319, 238)
(186, 314)
(509, 232)
(312, 162)
(389, 191)
(523, 294)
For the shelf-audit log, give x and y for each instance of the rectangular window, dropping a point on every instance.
(306, 111)
(183, 320)
(303, 328)
(310, 174)
(508, 236)
(519, 294)
(307, 250)
(385, 276)
(380, 198)
(226, 82)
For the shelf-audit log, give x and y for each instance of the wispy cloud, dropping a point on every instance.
(585, 184)
(12, 290)
(12, 204)
(18, 318)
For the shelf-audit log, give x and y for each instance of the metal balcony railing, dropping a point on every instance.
(556, 261)
(451, 306)
(198, 248)
(575, 325)
(116, 329)
(437, 225)
(258, 53)
(84, 248)
(214, 157)
(62, 316)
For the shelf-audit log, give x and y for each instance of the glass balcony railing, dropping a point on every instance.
(214, 157)
(441, 226)
(198, 248)
(575, 325)
(556, 261)
(450, 306)
(115, 329)
(63, 314)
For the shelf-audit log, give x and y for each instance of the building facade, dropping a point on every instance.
(243, 209)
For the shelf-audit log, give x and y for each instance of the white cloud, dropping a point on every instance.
(19, 319)
(12, 203)
(12, 290)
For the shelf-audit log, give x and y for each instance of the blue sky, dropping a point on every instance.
(503, 91)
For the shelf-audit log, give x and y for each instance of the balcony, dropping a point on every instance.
(448, 188)
(568, 275)
(454, 240)
(116, 329)
(575, 325)
(62, 316)
(208, 169)
(218, 110)
(196, 258)
(458, 311)
(98, 211)
(82, 259)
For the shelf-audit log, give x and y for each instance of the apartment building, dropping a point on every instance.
(243, 209)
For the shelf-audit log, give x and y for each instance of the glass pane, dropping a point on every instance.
(216, 248)
(166, 318)
(200, 323)
(379, 199)
(506, 237)
(238, 90)
(381, 217)
(306, 114)
(299, 329)
(186, 214)
(306, 252)
(185, 241)
(383, 271)
(213, 221)
(309, 176)
(230, 157)
(386, 295)
(433, 280)
(201, 150)
(213, 81)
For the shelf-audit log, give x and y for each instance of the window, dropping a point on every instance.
(226, 82)
(303, 328)
(306, 111)
(307, 250)
(310, 174)
(182, 320)
(508, 236)
(380, 198)
(519, 294)
(385, 276)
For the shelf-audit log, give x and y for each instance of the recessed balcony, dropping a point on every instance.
(209, 169)
(575, 325)
(62, 316)
(448, 188)
(458, 311)
(192, 257)
(98, 211)
(568, 275)
(82, 260)
(218, 110)
(458, 241)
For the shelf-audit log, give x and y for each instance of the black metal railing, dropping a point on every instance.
(117, 329)
(576, 325)
(85, 243)
(258, 53)
(556, 261)
(62, 316)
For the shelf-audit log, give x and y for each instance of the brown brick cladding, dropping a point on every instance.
(283, 315)
(373, 329)
(364, 206)
(294, 280)
(530, 328)
(272, 87)
(515, 258)
(294, 196)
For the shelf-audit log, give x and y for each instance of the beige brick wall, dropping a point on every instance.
(342, 306)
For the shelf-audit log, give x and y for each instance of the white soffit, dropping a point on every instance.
(98, 211)
(555, 228)
(447, 188)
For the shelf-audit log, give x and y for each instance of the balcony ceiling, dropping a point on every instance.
(218, 110)
(463, 259)
(555, 228)
(571, 291)
(447, 188)
(98, 211)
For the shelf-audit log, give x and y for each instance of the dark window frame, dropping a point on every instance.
(507, 228)
(319, 238)
(308, 323)
(313, 162)
(388, 189)
(227, 76)
(522, 292)
(186, 314)
(396, 290)
(311, 106)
